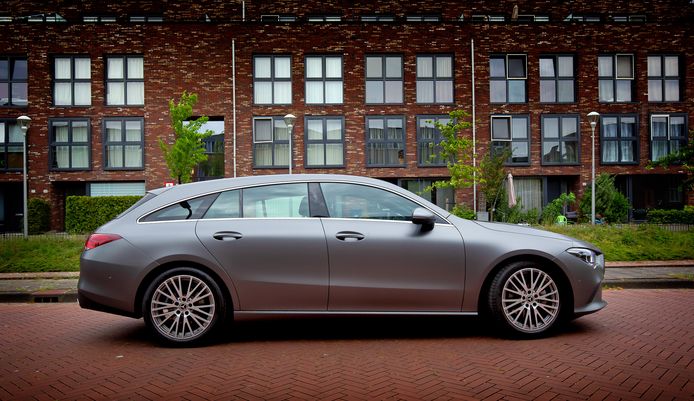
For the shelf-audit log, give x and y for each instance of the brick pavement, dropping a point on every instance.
(640, 347)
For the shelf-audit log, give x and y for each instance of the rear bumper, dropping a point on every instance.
(87, 301)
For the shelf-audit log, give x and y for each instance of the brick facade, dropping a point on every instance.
(186, 53)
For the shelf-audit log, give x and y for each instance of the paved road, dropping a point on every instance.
(640, 347)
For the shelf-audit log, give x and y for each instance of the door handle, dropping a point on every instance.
(349, 236)
(227, 235)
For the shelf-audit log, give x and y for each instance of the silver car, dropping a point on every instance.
(190, 257)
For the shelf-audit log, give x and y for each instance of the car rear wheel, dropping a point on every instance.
(525, 299)
(183, 306)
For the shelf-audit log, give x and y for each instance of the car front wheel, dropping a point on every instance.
(183, 306)
(525, 299)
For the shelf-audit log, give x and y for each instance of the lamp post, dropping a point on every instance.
(289, 120)
(593, 117)
(24, 122)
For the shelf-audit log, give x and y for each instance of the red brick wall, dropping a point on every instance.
(197, 57)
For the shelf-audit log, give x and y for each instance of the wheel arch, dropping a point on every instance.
(551, 266)
(154, 273)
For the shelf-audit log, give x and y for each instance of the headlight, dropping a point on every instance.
(588, 256)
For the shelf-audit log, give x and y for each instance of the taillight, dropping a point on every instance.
(95, 240)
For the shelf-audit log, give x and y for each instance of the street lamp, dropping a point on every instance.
(24, 122)
(289, 120)
(593, 117)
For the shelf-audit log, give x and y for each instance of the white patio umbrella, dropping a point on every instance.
(510, 190)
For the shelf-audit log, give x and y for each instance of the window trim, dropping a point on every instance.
(124, 143)
(558, 78)
(324, 141)
(273, 79)
(273, 142)
(663, 78)
(683, 139)
(123, 80)
(6, 143)
(368, 141)
(506, 79)
(528, 140)
(384, 78)
(324, 79)
(72, 80)
(52, 143)
(434, 76)
(438, 138)
(619, 139)
(560, 139)
(11, 59)
(614, 78)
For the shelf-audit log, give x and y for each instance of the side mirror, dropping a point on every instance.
(423, 217)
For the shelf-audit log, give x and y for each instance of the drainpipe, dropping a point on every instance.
(474, 131)
(233, 89)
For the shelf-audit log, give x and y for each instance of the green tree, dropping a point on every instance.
(188, 149)
(611, 204)
(492, 178)
(684, 159)
(456, 149)
(558, 206)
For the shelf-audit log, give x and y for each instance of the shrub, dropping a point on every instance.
(662, 216)
(85, 214)
(39, 212)
(556, 207)
(464, 212)
(611, 204)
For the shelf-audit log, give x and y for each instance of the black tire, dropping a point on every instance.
(525, 300)
(183, 307)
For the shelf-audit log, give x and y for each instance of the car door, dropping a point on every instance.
(274, 252)
(380, 260)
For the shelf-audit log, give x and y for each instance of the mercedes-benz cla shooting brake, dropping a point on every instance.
(190, 257)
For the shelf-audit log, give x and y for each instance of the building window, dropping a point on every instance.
(385, 141)
(324, 18)
(435, 79)
(49, 17)
(559, 139)
(507, 76)
(423, 18)
(616, 78)
(146, 18)
(125, 81)
(510, 134)
(325, 142)
(324, 79)
(384, 79)
(377, 18)
(134, 188)
(278, 18)
(582, 18)
(619, 139)
(428, 140)
(629, 18)
(72, 81)
(11, 143)
(213, 167)
(123, 143)
(668, 134)
(557, 79)
(98, 18)
(70, 144)
(664, 79)
(272, 80)
(270, 142)
(13, 81)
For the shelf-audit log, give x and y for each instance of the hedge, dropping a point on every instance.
(664, 216)
(84, 214)
(39, 212)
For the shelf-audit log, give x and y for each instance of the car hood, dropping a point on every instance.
(525, 230)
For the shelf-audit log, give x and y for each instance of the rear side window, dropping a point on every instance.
(148, 196)
(276, 201)
(185, 210)
(226, 206)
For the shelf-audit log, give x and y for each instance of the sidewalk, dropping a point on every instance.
(62, 286)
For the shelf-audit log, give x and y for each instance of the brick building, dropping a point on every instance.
(364, 79)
